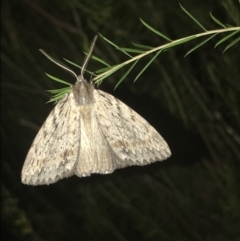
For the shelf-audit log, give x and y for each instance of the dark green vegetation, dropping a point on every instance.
(193, 102)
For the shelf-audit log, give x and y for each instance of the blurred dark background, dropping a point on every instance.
(193, 102)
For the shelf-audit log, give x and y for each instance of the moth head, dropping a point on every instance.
(80, 78)
(83, 91)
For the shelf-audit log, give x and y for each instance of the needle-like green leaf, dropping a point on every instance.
(105, 69)
(58, 80)
(200, 44)
(56, 91)
(146, 66)
(142, 46)
(100, 61)
(231, 44)
(58, 94)
(217, 21)
(226, 38)
(108, 73)
(155, 31)
(126, 74)
(111, 43)
(191, 16)
(129, 50)
(72, 63)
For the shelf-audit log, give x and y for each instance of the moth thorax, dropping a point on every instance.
(83, 92)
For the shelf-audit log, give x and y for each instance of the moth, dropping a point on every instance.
(90, 131)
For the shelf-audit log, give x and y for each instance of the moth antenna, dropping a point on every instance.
(85, 62)
(57, 62)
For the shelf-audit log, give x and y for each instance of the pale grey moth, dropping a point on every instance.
(90, 131)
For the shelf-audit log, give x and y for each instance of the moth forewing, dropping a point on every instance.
(130, 136)
(54, 151)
